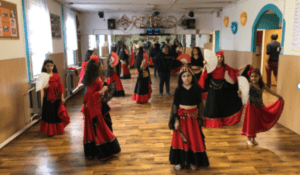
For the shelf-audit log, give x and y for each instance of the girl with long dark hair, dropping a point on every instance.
(175, 53)
(125, 73)
(223, 106)
(54, 114)
(154, 54)
(98, 139)
(113, 74)
(142, 90)
(187, 146)
(258, 117)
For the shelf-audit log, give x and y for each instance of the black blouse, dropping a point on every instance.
(197, 62)
(186, 97)
(255, 96)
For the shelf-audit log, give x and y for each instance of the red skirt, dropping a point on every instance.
(48, 126)
(142, 98)
(151, 62)
(261, 119)
(98, 139)
(132, 59)
(119, 86)
(220, 122)
(192, 152)
(204, 95)
(125, 71)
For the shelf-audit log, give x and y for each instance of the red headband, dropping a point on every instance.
(220, 53)
(250, 70)
(95, 58)
(187, 69)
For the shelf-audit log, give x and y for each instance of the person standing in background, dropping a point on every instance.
(273, 51)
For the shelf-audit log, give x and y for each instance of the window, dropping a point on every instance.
(70, 57)
(71, 34)
(101, 43)
(92, 42)
(39, 33)
(109, 42)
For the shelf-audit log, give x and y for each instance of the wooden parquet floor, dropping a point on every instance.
(145, 140)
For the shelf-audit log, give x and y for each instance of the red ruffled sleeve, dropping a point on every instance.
(82, 72)
(60, 85)
(233, 73)
(202, 79)
(92, 99)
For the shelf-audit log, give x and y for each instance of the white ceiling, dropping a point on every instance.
(179, 6)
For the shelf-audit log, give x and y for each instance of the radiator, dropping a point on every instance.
(35, 101)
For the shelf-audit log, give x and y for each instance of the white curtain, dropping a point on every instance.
(101, 43)
(38, 32)
(109, 42)
(71, 34)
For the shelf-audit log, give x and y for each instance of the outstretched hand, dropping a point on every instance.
(239, 93)
(176, 125)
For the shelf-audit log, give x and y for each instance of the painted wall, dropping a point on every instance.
(200, 41)
(289, 17)
(269, 21)
(241, 41)
(14, 48)
(90, 23)
(55, 8)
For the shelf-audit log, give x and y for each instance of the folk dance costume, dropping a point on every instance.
(113, 74)
(223, 105)
(176, 66)
(125, 73)
(142, 90)
(131, 58)
(54, 114)
(153, 54)
(258, 117)
(98, 139)
(190, 121)
(199, 62)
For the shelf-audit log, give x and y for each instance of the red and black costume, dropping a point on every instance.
(113, 74)
(176, 66)
(190, 121)
(199, 62)
(54, 114)
(98, 139)
(223, 105)
(258, 117)
(142, 90)
(125, 73)
(131, 58)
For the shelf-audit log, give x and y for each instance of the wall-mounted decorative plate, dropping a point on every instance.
(234, 27)
(226, 21)
(243, 18)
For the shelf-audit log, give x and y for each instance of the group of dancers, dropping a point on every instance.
(223, 104)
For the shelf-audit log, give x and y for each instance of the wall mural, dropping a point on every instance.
(234, 27)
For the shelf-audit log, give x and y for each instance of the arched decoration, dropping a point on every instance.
(267, 7)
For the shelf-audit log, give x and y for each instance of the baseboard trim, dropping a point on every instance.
(6, 142)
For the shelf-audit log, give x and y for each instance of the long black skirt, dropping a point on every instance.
(106, 115)
(224, 102)
(142, 90)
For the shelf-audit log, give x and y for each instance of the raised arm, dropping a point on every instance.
(271, 92)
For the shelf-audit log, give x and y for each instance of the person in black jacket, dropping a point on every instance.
(164, 61)
(154, 54)
(273, 51)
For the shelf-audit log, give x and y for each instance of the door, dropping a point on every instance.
(267, 39)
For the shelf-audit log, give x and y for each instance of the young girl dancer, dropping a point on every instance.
(113, 74)
(98, 140)
(131, 56)
(187, 147)
(54, 114)
(142, 90)
(223, 105)
(175, 53)
(258, 117)
(125, 73)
